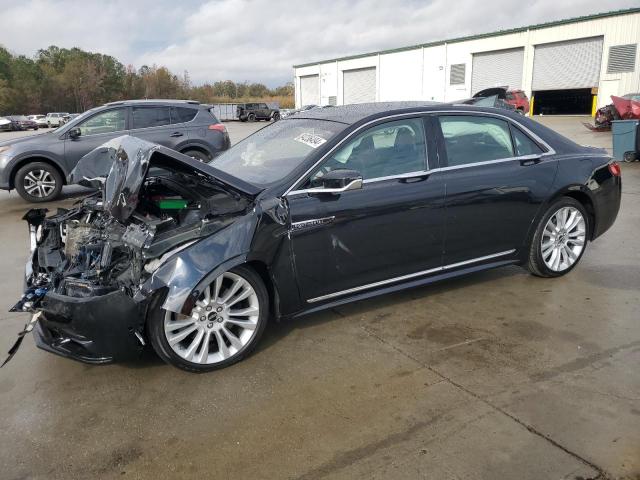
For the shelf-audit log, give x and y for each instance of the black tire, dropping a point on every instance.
(251, 117)
(535, 262)
(276, 117)
(158, 339)
(19, 182)
(198, 155)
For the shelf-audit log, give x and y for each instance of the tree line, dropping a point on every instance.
(73, 80)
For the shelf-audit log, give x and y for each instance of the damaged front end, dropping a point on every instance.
(95, 268)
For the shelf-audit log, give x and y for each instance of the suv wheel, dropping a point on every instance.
(197, 154)
(276, 117)
(38, 182)
(251, 117)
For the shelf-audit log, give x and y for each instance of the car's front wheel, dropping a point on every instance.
(560, 239)
(38, 182)
(223, 327)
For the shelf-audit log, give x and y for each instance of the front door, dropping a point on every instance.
(94, 131)
(496, 178)
(390, 228)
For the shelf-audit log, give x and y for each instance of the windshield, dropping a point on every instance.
(275, 151)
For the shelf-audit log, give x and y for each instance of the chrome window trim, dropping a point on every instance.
(550, 150)
(409, 276)
(400, 176)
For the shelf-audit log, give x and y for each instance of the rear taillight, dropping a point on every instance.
(614, 168)
(219, 127)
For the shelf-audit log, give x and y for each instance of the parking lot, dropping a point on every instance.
(496, 375)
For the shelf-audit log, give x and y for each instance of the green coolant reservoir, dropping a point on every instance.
(172, 204)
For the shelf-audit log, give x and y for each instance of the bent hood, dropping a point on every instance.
(120, 166)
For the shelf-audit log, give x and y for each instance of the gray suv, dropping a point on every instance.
(37, 166)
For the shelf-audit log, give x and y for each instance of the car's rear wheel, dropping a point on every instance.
(223, 327)
(198, 155)
(251, 117)
(38, 182)
(560, 239)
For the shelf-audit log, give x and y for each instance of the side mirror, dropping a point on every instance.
(74, 133)
(338, 181)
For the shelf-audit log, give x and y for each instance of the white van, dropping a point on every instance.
(55, 119)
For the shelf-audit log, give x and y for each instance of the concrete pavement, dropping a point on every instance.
(496, 375)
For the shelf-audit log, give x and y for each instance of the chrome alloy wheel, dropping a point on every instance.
(39, 183)
(221, 323)
(563, 239)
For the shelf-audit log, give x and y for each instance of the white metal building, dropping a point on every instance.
(568, 66)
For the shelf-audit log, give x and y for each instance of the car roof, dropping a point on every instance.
(153, 101)
(350, 114)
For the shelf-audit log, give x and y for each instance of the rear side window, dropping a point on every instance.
(144, 117)
(471, 139)
(182, 114)
(524, 145)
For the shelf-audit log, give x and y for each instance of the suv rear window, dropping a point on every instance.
(144, 117)
(182, 114)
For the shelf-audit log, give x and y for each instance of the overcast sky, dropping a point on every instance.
(259, 40)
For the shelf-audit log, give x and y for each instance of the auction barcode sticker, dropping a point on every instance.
(311, 139)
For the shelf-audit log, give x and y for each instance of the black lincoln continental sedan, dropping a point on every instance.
(325, 207)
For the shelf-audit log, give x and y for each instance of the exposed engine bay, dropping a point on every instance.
(153, 225)
(85, 251)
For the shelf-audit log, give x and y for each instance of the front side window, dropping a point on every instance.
(145, 117)
(388, 149)
(471, 139)
(276, 151)
(104, 122)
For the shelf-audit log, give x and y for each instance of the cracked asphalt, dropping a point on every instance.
(498, 375)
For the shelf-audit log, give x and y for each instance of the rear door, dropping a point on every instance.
(94, 131)
(496, 176)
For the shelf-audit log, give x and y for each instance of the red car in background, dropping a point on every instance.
(517, 98)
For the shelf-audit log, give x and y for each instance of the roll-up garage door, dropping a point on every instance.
(359, 85)
(567, 65)
(497, 69)
(310, 90)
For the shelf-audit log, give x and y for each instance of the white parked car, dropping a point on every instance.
(55, 119)
(41, 120)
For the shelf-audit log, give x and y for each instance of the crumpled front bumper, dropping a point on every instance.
(95, 330)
